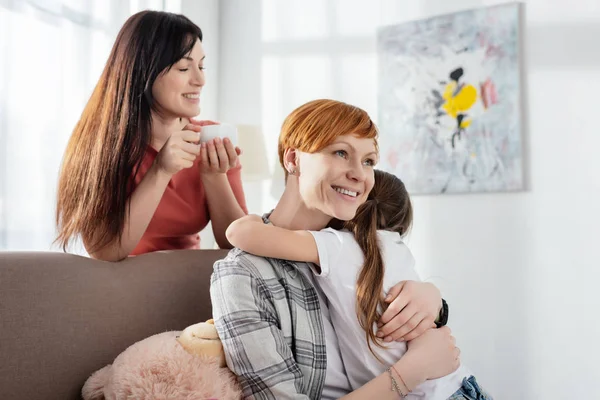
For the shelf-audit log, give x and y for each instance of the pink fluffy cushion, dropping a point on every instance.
(158, 368)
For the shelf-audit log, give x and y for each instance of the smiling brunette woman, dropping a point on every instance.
(134, 177)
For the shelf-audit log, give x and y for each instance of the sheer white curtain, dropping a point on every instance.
(51, 55)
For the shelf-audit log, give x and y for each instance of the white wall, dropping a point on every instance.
(519, 269)
(205, 13)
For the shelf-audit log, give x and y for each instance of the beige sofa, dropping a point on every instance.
(63, 316)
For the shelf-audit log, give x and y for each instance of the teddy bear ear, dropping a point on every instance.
(94, 386)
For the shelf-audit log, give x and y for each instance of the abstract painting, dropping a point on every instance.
(449, 102)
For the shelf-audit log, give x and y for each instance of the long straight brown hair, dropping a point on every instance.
(109, 141)
(388, 207)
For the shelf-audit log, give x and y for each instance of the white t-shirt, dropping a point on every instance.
(336, 380)
(341, 260)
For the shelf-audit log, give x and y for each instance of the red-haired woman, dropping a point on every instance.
(134, 177)
(274, 321)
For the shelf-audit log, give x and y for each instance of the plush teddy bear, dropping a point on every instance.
(186, 365)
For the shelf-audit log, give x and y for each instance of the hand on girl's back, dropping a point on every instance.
(413, 308)
(180, 150)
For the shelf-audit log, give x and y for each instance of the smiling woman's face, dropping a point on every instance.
(337, 179)
(177, 91)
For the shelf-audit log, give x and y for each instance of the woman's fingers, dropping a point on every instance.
(396, 322)
(203, 122)
(231, 150)
(410, 298)
(204, 157)
(421, 328)
(394, 291)
(192, 127)
(219, 155)
(213, 158)
(223, 162)
(190, 148)
(408, 328)
(186, 159)
(187, 156)
(191, 136)
(397, 306)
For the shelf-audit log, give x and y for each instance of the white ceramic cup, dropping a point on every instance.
(209, 132)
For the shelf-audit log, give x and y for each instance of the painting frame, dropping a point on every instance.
(450, 101)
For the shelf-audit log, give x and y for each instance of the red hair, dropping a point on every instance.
(316, 124)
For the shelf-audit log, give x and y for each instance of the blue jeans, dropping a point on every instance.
(470, 390)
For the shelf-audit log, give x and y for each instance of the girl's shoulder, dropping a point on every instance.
(344, 236)
(389, 237)
(329, 235)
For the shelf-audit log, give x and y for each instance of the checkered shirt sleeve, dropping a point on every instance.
(268, 317)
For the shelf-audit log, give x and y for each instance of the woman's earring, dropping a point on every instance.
(292, 172)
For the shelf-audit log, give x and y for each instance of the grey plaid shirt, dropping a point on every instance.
(268, 317)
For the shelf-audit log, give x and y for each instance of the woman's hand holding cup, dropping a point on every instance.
(218, 154)
(180, 150)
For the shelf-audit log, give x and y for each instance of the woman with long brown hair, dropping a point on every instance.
(275, 321)
(135, 177)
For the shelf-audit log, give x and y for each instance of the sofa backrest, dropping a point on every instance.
(63, 316)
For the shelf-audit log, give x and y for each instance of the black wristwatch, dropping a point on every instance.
(442, 318)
